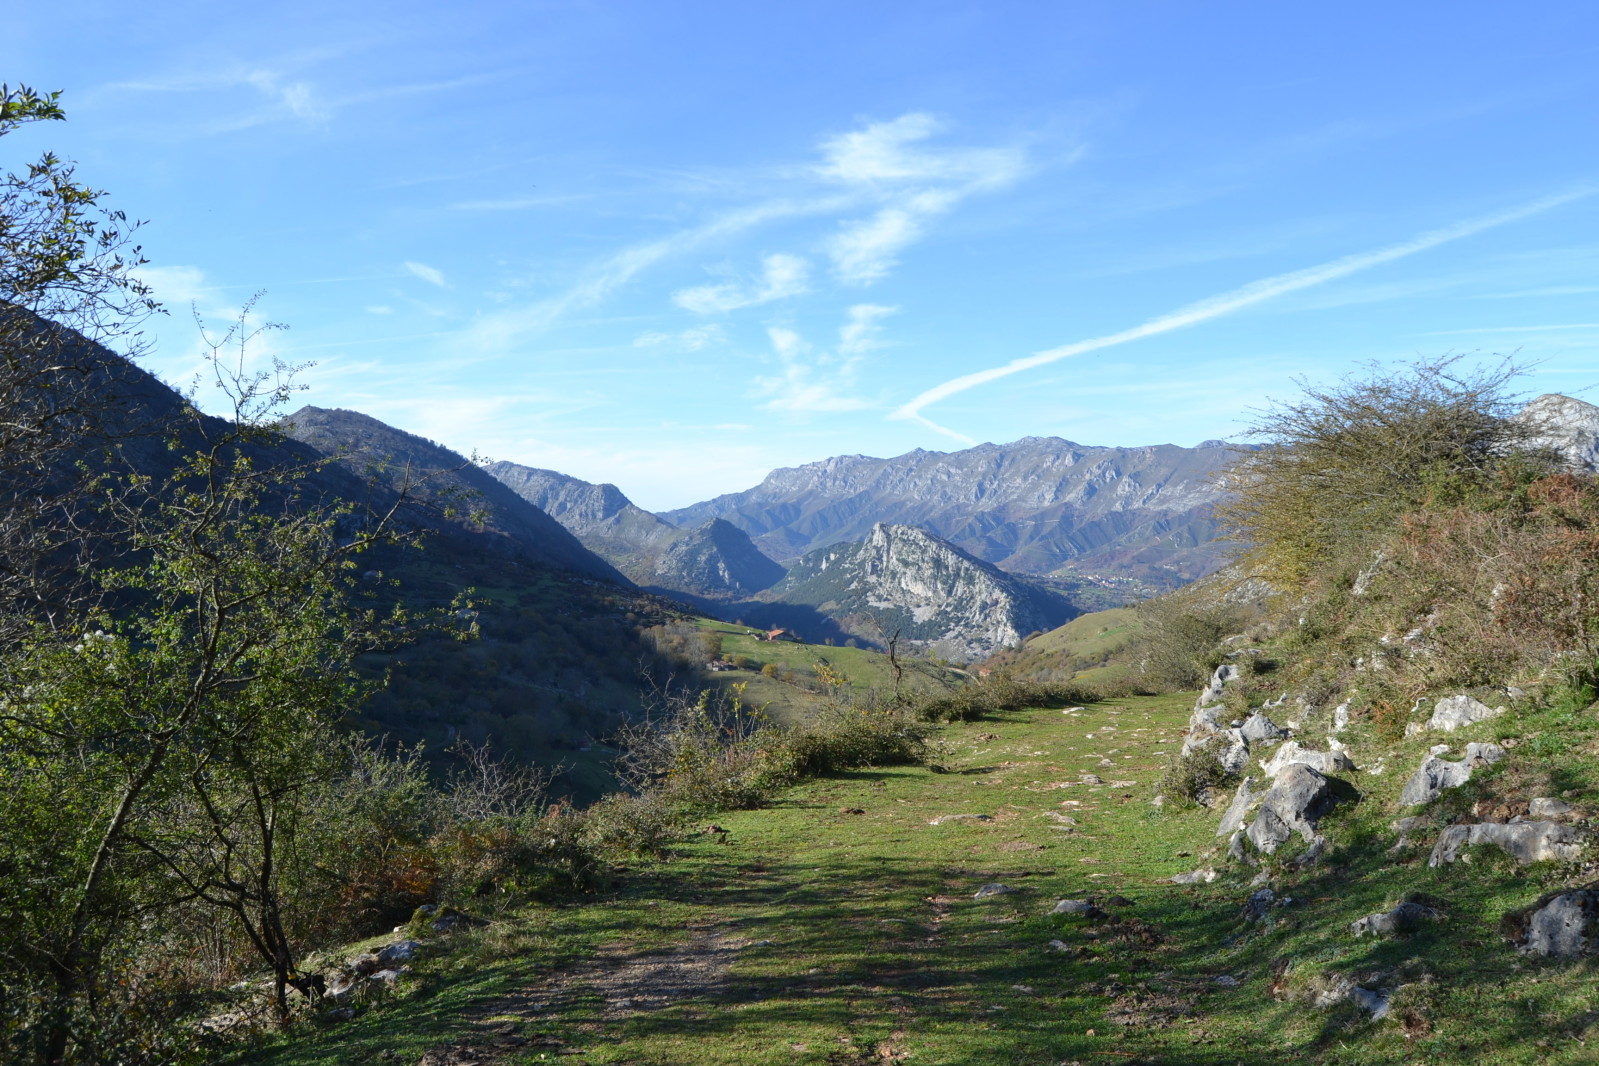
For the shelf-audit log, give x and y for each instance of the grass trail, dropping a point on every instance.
(840, 927)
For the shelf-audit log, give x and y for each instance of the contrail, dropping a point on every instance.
(1228, 302)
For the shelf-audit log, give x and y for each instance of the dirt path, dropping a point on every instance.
(630, 982)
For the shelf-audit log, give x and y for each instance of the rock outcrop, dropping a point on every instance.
(1294, 804)
(1561, 924)
(1435, 774)
(934, 594)
(1454, 712)
(1526, 842)
(1566, 425)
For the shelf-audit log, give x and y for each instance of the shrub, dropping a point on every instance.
(1180, 643)
(1194, 778)
(999, 693)
(1345, 461)
(846, 738)
(641, 824)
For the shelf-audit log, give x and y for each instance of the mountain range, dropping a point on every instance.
(1039, 506)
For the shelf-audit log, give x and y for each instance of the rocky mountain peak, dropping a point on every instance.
(902, 579)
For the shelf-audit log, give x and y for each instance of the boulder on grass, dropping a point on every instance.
(1434, 775)
(1526, 842)
(1453, 712)
(1402, 919)
(1561, 925)
(1295, 803)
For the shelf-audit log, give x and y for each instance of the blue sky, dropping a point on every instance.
(673, 246)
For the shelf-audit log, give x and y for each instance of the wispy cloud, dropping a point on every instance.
(1227, 303)
(282, 92)
(513, 203)
(690, 340)
(815, 381)
(916, 185)
(1551, 290)
(1511, 329)
(428, 274)
(885, 168)
(782, 276)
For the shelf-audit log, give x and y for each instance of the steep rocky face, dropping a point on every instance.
(1567, 425)
(461, 502)
(716, 561)
(1030, 507)
(904, 579)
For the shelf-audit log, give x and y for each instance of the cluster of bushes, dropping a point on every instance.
(1000, 693)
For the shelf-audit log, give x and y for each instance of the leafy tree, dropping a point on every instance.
(64, 262)
(171, 752)
(176, 644)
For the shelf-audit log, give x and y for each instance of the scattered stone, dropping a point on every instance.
(1435, 774)
(941, 819)
(993, 888)
(450, 919)
(1118, 901)
(1059, 945)
(1526, 842)
(1311, 855)
(1258, 904)
(366, 964)
(389, 978)
(1374, 1002)
(1403, 826)
(1341, 717)
(1080, 907)
(1226, 980)
(1235, 849)
(1093, 779)
(1294, 804)
(1548, 807)
(1202, 876)
(1516, 692)
(1290, 753)
(394, 954)
(1402, 919)
(1452, 712)
(1257, 728)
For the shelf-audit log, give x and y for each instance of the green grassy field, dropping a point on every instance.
(1090, 647)
(865, 670)
(840, 926)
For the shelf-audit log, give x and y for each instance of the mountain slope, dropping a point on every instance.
(606, 521)
(713, 562)
(467, 506)
(904, 579)
(717, 560)
(1034, 506)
